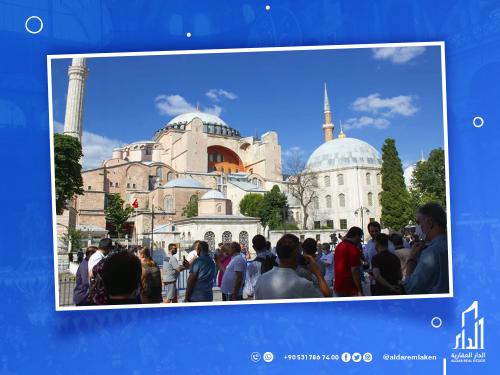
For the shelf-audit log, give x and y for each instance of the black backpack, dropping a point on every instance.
(267, 263)
(97, 292)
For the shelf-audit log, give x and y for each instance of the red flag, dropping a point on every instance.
(135, 204)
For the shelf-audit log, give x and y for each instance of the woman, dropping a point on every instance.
(222, 260)
(150, 279)
(82, 279)
(386, 268)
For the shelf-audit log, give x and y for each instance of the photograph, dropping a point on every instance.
(249, 176)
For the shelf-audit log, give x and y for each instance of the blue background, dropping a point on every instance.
(36, 339)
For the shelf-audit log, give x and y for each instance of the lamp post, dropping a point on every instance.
(362, 210)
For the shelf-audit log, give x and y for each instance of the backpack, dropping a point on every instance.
(98, 294)
(266, 263)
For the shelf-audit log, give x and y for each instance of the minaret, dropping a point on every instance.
(328, 125)
(422, 157)
(341, 134)
(77, 73)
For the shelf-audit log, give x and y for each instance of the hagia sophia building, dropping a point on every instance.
(197, 153)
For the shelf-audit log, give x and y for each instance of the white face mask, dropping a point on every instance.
(419, 232)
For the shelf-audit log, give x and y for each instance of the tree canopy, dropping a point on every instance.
(191, 208)
(116, 214)
(68, 170)
(251, 205)
(395, 197)
(274, 209)
(428, 179)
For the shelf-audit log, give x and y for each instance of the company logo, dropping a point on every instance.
(268, 357)
(356, 357)
(255, 357)
(471, 337)
(346, 357)
(367, 357)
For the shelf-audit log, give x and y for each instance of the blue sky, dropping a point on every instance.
(376, 93)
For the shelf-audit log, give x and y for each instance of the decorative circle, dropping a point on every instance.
(478, 122)
(268, 357)
(268, 7)
(28, 21)
(255, 357)
(188, 35)
(436, 322)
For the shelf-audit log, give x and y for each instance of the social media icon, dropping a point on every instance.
(346, 357)
(356, 357)
(268, 357)
(367, 357)
(255, 357)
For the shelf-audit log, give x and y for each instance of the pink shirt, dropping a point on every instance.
(224, 261)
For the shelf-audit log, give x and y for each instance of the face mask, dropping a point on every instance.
(419, 232)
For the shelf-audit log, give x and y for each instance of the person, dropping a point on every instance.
(309, 247)
(369, 251)
(427, 265)
(82, 279)
(150, 279)
(347, 263)
(283, 282)
(327, 260)
(222, 259)
(402, 252)
(334, 241)
(201, 276)
(79, 256)
(171, 270)
(121, 275)
(193, 254)
(234, 275)
(386, 268)
(263, 262)
(105, 247)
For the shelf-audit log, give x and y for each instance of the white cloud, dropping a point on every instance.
(96, 148)
(216, 94)
(293, 151)
(397, 55)
(387, 107)
(174, 105)
(365, 121)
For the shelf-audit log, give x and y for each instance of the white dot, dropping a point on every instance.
(436, 322)
(478, 122)
(268, 7)
(188, 35)
(37, 21)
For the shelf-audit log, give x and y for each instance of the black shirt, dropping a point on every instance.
(390, 268)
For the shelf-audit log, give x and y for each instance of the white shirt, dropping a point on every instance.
(192, 255)
(94, 259)
(370, 251)
(284, 283)
(237, 264)
(327, 260)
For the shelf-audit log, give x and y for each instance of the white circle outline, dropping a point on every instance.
(188, 34)
(438, 320)
(268, 357)
(28, 20)
(480, 125)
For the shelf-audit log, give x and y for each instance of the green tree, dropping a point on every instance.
(116, 214)
(68, 171)
(251, 205)
(274, 209)
(191, 208)
(428, 179)
(73, 236)
(395, 197)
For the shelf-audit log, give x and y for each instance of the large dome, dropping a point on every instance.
(343, 152)
(211, 124)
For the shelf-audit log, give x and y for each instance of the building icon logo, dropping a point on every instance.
(472, 335)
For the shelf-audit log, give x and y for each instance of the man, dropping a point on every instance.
(171, 270)
(309, 247)
(327, 260)
(234, 275)
(427, 265)
(347, 262)
(192, 255)
(283, 282)
(105, 247)
(201, 276)
(121, 275)
(374, 229)
(82, 279)
(263, 262)
(402, 252)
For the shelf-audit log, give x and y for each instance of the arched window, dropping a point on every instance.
(315, 181)
(379, 179)
(327, 181)
(219, 208)
(159, 172)
(316, 203)
(244, 238)
(368, 179)
(340, 179)
(227, 237)
(210, 238)
(168, 203)
(341, 200)
(170, 175)
(370, 199)
(328, 199)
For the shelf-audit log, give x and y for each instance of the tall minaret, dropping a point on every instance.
(77, 73)
(328, 125)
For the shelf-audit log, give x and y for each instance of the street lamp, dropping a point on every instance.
(362, 210)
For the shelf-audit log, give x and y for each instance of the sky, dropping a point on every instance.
(390, 92)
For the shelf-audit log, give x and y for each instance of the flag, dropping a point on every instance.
(135, 203)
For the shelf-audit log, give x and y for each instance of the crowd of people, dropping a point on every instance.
(345, 267)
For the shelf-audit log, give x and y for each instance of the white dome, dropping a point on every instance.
(206, 118)
(213, 194)
(408, 172)
(185, 182)
(343, 152)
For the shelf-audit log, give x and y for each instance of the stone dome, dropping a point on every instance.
(341, 153)
(184, 183)
(213, 194)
